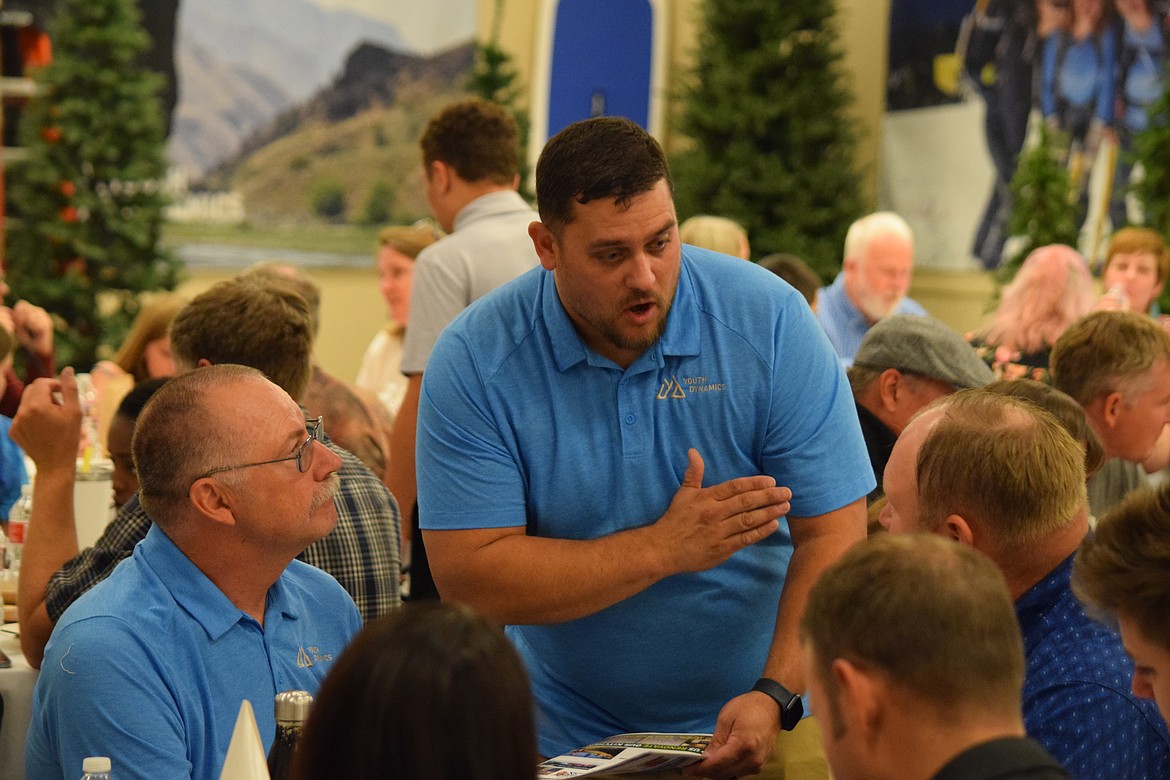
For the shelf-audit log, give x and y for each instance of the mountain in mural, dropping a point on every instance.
(372, 76)
(243, 63)
(359, 132)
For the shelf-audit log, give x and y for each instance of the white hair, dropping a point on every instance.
(871, 226)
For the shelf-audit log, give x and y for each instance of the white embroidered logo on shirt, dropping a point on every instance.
(671, 389)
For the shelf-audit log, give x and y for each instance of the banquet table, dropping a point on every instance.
(16, 686)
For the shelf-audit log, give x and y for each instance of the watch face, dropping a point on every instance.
(791, 707)
(791, 713)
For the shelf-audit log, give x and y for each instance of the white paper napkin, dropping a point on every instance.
(245, 756)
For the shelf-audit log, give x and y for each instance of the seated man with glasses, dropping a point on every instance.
(262, 324)
(150, 666)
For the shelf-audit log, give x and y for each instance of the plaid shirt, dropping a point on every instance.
(361, 552)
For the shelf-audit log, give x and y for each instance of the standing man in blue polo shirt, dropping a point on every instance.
(640, 457)
(872, 285)
(150, 666)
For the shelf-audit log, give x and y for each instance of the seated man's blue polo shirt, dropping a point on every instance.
(150, 667)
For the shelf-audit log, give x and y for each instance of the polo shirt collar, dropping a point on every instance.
(198, 595)
(490, 205)
(681, 337)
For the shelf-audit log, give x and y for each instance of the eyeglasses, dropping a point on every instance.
(303, 455)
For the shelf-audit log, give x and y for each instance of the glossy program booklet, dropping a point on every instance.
(627, 754)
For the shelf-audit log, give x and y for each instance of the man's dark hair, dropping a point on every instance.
(476, 138)
(604, 157)
(132, 402)
(796, 272)
(407, 699)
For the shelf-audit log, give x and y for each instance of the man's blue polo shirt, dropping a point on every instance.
(520, 423)
(149, 667)
(844, 323)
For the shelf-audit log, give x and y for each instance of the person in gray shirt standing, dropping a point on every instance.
(471, 154)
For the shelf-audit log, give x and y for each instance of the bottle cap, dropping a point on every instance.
(96, 764)
(293, 706)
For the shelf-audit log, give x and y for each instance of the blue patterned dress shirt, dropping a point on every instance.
(1077, 698)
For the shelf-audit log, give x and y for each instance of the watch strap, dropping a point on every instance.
(791, 707)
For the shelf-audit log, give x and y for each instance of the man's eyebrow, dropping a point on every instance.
(666, 227)
(604, 243)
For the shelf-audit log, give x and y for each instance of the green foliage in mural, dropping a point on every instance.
(377, 206)
(328, 199)
(1044, 205)
(1152, 149)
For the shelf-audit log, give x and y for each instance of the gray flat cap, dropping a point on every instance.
(923, 346)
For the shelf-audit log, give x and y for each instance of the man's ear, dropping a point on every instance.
(545, 243)
(203, 363)
(212, 501)
(1111, 408)
(889, 382)
(862, 699)
(439, 176)
(957, 528)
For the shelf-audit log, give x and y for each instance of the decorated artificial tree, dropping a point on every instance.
(86, 207)
(1044, 205)
(773, 143)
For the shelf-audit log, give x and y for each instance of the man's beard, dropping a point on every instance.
(875, 307)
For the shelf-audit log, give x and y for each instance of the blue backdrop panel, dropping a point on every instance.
(602, 52)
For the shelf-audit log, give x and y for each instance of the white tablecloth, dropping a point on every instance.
(16, 686)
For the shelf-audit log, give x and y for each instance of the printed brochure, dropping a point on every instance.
(627, 754)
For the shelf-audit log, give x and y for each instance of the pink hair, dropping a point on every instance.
(1051, 291)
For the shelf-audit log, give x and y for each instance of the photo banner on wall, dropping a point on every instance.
(290, 110)
(970, 83)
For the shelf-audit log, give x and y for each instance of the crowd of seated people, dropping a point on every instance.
(585, 456)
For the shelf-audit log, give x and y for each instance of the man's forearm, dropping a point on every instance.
(520, 579)
(50, 541)
(818, 542)
(516, 578)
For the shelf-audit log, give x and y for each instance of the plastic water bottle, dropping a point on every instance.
(17, 525)
(292, 708)
(96, 768)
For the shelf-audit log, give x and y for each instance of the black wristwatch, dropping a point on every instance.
(791, 707)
